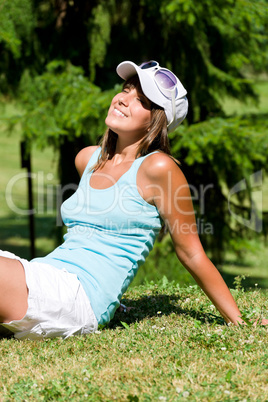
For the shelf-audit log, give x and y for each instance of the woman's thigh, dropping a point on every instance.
(57, 304)
(13, 290)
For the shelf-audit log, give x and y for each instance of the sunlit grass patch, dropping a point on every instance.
(172, 345)
(232, 106)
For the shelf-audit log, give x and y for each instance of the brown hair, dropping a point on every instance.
(155, 140)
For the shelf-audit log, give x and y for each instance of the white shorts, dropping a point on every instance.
(57, 304)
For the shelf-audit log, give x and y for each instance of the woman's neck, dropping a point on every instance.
(126, 152)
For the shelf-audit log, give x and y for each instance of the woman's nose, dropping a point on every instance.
(123, 100)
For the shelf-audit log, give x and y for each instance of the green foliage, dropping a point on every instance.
(99, 36)
(215, 42)
(60, 103)
(207, 43)
(221, 152)
(50, 48)
(238, 282)
(17, 24)
(233, 146)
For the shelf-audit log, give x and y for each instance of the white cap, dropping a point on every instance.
(151, 90)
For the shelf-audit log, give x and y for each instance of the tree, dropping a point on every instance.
(224, 161)
(218, 42)
(63, 109)
(212, 46)
(17, 24)
(207, 43)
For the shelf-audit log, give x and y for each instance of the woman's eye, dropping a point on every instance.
(142, 100)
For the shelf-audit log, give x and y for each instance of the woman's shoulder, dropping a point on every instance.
(159, 168)
(160, 163)
(159, 171)
(83, 156)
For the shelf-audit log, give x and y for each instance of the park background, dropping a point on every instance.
(57, 77)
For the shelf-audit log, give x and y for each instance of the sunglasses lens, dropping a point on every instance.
(148, 64)
(165, 79)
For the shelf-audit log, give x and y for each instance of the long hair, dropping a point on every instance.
(156, 139)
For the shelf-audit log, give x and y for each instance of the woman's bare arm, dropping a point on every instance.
(169, 191)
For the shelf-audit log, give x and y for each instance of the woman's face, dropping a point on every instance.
(129, 113)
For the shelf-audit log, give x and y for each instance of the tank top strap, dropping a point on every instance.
(93, 159)
(136, 165)
(130, 174)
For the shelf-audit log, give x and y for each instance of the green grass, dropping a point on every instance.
(171, 346)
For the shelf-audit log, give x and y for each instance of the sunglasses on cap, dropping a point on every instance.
(165, 80)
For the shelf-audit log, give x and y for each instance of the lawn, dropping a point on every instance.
(232, 106)
(172, 346)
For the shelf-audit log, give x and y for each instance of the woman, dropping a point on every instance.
(129, 187)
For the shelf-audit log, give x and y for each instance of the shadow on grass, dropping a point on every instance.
(5, 333)
(149, 306)
(146, 307)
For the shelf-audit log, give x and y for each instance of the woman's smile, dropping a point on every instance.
(118, 112)
(132, 105)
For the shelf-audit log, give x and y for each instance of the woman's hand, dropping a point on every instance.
(263, 321)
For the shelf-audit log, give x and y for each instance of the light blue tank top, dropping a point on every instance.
(109, 234)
